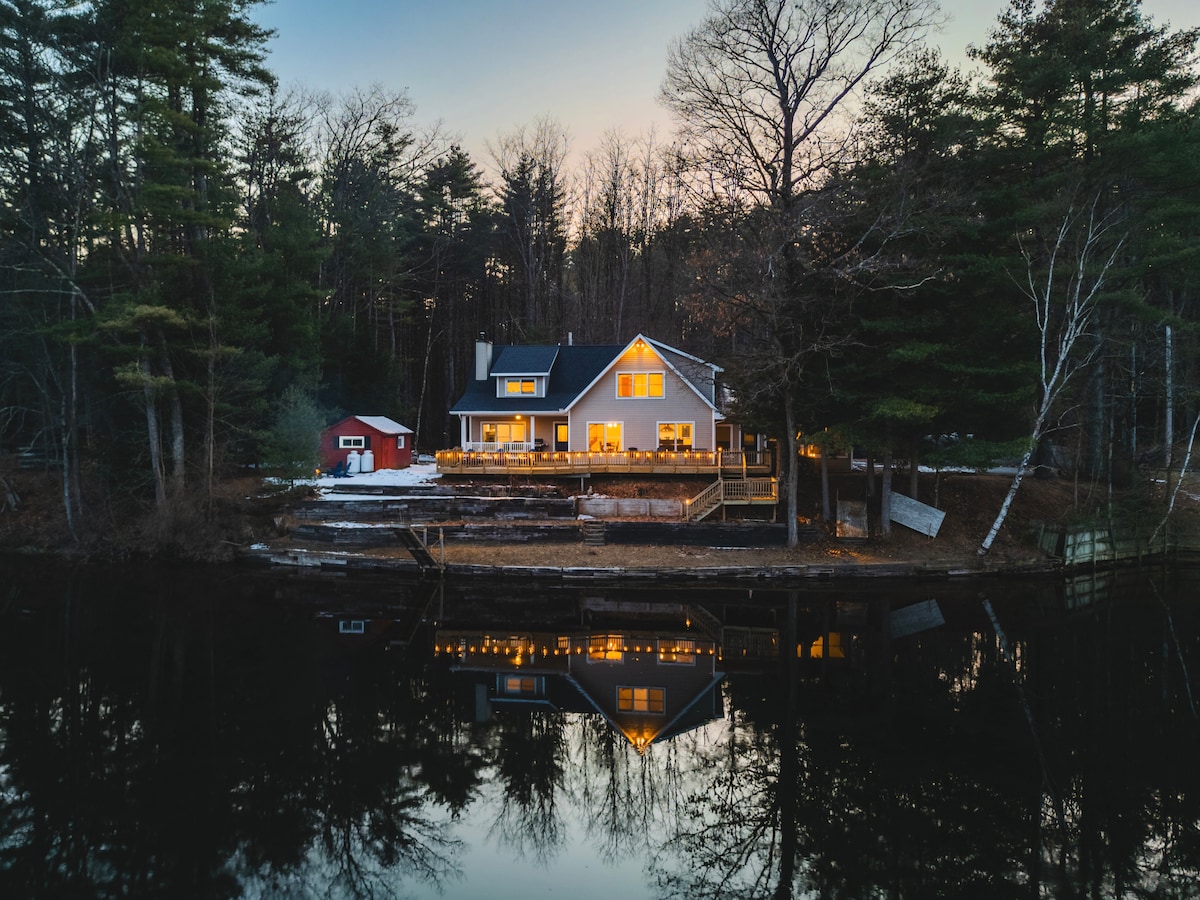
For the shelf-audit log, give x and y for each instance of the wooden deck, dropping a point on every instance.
(628, 462)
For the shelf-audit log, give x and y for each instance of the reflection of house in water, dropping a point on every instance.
(649, 684)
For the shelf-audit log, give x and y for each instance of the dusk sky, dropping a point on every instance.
(484, 67)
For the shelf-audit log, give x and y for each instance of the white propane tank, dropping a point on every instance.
(353, 463)
(368, 461)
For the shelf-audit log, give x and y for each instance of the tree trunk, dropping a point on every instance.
(152, 430)
(791, 481)
(176, 409)
(825, 507)
(1022, 467)
(1169, 419)
(885, 495)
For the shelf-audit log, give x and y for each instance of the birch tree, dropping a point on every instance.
(1064, 281)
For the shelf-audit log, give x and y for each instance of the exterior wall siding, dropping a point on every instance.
(382, 446)
(640, 416)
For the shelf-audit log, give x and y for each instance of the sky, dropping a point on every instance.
(485, 67)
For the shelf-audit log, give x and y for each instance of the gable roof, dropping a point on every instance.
(688, 373)
(572, 370)
(380, 423)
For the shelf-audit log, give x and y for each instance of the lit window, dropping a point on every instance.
(679, 652)
(520, 386)
(503, 432)
(834, 650)
(641, 699)
(606, 648)
(349, 443)
(639, 384)
(604, 437)
(675, 435)
(520, 684)
(352, 626)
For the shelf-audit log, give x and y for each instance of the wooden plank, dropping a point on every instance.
(918, 516)
(916, 618)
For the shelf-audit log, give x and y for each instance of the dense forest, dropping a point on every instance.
(196, 264)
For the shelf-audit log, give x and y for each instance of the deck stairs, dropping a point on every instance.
(593, 533)
(412, 542)
(732, 492)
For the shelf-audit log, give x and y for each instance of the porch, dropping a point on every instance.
(522, 459)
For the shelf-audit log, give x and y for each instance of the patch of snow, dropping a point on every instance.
(422, 473)
(258, 546)
(354, 524)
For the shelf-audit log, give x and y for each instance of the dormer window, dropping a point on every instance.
(524, 386)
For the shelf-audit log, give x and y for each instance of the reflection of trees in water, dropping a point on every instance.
(625, 798)
(528, 753)
(372, 828)
(231, 763)
(934, 787)
(727, 836)
(182, 753)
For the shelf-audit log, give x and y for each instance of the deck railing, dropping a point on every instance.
(734, 492)
(583, 462)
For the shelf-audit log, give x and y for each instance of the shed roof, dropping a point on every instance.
(381, 424)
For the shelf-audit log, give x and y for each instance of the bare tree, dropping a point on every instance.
(533, 200)
(1064, 280)
(763, 90)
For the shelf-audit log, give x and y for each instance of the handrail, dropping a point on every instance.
(747, 490)
(705, 502)
(550, 462)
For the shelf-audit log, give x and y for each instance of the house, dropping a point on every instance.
(388, 443)
(649, 685)
(640, 396)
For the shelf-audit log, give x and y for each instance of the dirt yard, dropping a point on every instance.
(970, 502)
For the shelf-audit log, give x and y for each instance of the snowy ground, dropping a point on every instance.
(421, 473)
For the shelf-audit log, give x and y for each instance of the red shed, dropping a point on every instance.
(389, 442)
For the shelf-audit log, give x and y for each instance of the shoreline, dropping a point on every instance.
(704, 566)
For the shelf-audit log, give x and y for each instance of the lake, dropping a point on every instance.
(236, 732)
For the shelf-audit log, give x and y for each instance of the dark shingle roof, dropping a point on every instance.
(575, 367)
(530, 360)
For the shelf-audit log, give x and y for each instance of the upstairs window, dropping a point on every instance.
(520, 386)
(641, 699)
(521, 686)
(639, 385)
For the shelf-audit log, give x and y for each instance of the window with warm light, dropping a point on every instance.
(520, 685)
(675, 435)
(604, 436)
(606, 648)
(503, 432)
(677, 652)
(640, 385)
(831, 650)
(525, 386)
(641, 699)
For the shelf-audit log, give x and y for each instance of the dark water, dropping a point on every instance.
(240, 733)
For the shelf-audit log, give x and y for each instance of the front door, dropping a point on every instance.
(561, 436)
